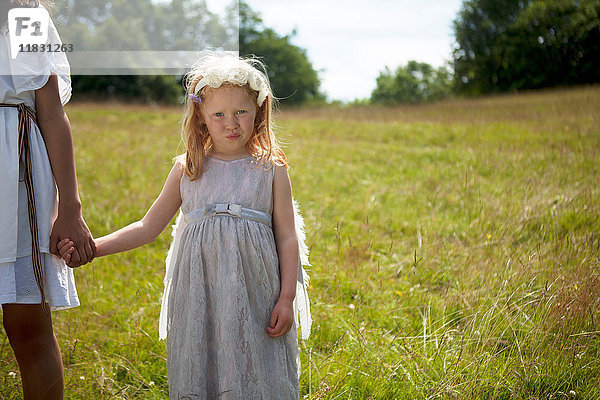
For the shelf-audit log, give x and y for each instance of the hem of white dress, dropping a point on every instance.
(60, 289)
(34, 300)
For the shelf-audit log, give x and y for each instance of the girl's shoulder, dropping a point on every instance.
(179, 161)
(279, 164)
(271, 161)
(280, 175)
(269, 167)
(178, 169)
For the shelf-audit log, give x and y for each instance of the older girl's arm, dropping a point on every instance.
(56, 130)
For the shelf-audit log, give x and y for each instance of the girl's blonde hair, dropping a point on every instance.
(263, 144)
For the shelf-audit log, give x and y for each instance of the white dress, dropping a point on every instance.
(19, 78)
(225, 284)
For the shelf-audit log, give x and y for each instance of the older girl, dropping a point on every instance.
(36, 153)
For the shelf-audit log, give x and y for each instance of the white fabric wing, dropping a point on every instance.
(178, 228)
(301, 302)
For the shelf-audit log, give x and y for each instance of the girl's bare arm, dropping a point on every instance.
(286, 240)
(154, 222)
(145, 230)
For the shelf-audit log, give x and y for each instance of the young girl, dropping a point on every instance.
(36, 157)
(232, 270)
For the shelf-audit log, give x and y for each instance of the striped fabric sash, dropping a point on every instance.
(26, 114)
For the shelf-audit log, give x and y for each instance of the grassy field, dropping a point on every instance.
(455, 250)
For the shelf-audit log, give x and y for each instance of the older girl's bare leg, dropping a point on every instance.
(31, 336)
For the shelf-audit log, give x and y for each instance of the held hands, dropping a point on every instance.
(74, 228)
(282, 318)
(66, 248)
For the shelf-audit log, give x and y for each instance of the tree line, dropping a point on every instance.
(505, 45)
(508, 45)
(501, 45)
(180, 24)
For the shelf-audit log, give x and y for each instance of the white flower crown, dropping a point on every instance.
(219, 70)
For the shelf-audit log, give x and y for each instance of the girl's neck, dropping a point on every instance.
(227, 156)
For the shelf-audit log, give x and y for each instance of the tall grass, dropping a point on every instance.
(455, 250)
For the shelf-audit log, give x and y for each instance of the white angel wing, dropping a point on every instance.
(164, 323)
(301, 302)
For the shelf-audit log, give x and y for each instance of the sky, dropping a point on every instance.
(349, 42)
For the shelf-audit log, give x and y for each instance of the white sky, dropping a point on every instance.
(350, 41)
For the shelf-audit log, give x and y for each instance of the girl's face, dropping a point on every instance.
(229, 113)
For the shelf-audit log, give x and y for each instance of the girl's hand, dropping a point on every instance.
(66, 247)
(282, 318)
(72, 226)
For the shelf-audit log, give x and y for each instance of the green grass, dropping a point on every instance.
(455, 250)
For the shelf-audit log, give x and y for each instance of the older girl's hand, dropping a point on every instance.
(72, 226)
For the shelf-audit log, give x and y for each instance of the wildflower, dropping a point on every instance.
(82, 378)
(12, 374)
(575, 286)
(151, 383)
(489, 236)
(351, 306)
(399, 293)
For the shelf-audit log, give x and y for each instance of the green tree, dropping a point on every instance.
(526, 44)
(413, 83)
(162, 89)
(180, 24)
(121, 25)
(293, 79)
(478, 29)
(141, 25)
(552, 42)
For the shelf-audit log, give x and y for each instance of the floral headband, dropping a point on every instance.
(235, 72)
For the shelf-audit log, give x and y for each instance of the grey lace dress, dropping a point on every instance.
(224, 286)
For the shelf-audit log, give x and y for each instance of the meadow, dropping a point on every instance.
(455, 249)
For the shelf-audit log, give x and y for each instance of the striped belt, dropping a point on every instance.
(233, 210)
(26, 114)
